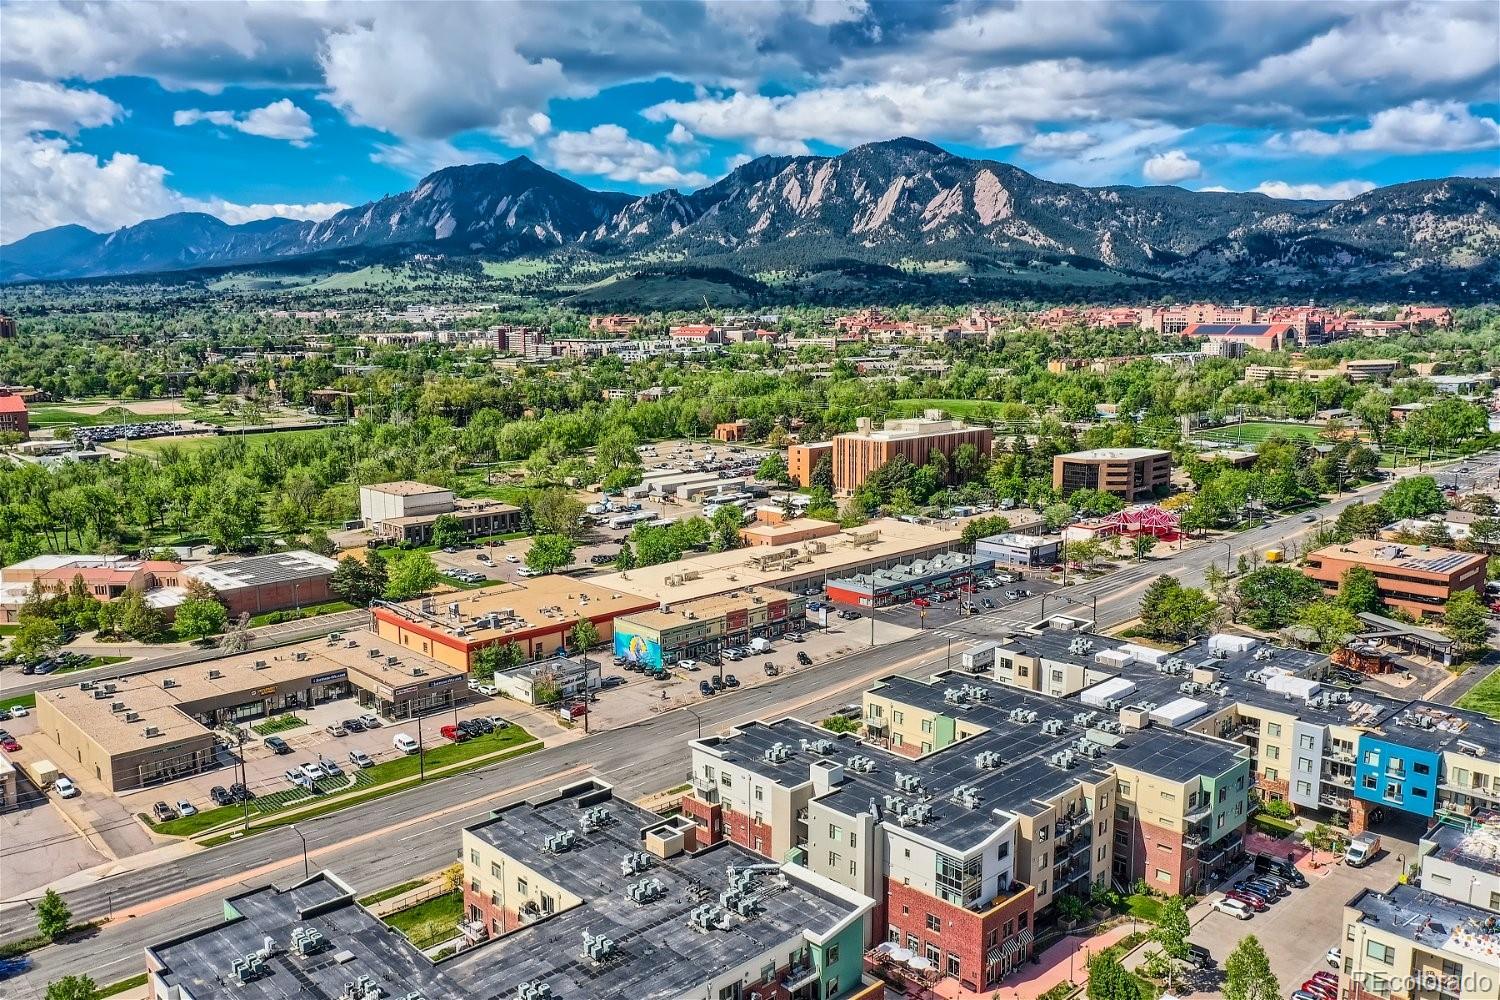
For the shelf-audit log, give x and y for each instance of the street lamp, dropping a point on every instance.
(306, 870)
(1228, 551)
(697, 718)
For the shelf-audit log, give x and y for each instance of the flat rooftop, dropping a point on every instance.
(489, 613)
(1024, 781)
(1112, 454)
(405, 488)
(1421, 558)
(256, 571)
(916, 571)
(662, 955)
(796, 525)
(707, 609)
(1435, 922)
(163, 699)
(1475, 845)
(886, 539)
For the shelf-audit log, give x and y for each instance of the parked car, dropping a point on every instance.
(1324, 976)
(610, 682)
(9, 744)
(771, 669)
(688, 665)
(337, 729)
(5, 715)
(706, 689)
(1233, 907)
(1320, 989)
(453, 733)
(804, 659)
(849, 616)
(404, 743)
(370, 720)
(498, 721)
(239, 793)
(731, 681)
(1250, 899)
(1334, 957)
(68, 790)
(330, 767)
(360, 759)
(277, 745)
(1282, 885)
(163, 812)
(1304, 995)
(920, 602)
(299, 779)
(717, 682)
(1266, 895)
(1267, 865)
(791, 636)
(220, 795)
(186, 808)
(512, 558)
(310, 771)
(1199, 957)
(487, 689)
(989, 605)
(733, 654)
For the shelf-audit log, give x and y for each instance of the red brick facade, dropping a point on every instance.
(977, 941)
(1155, 848)
(747, 833)
(259, 599)
(710, 820)
(477, 906)
(1359, 816)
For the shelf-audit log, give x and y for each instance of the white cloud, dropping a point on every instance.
(32, 106)
(235, 213)
(1215, 188)
(1336, 191)
(1419, 127)
(1048, 144)
(278, 120)
(680, 136)
(610, 151)
(1170, 167)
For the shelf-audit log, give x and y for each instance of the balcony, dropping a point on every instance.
(1335, 778)
(875, 722)
(1200, 811)
(1338, 803)
(705, 790)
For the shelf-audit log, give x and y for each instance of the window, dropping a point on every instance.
(760, 794)
(833, 833)
(1395, 764)
(1420, 793)
(926, 725)
(853, 867)
(1041, 835)
(1421, 768)
(494, 869)
(934, 954)
(1382, 953)
(1271, 774)
(1273, 752)
(912, 941)
(877, 712)
(1306, 741)
(768, 971)
(833, 860)
(1304, 787)
(1169, 796)
(1372, 758)
(708, 771)
(1042, 861)
(521, 887)
(1041, 891)
(1368, 781)
(1239, 783)
(1273, 729)
(898, 717)
(473, 885)
(724, 779)
(1057, 676)
(832, 954)
(1024, 919)
(1162, 875)
(473, 857)
(934, 922)
(952, 965)
(896, 740)
(1393, 791)
(1124, 788)
(926, 747)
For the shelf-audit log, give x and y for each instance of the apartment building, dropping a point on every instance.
(1356, 757)
(1128, 473)
(684, 919)
(14, 417)
(1460, 859)
(1410, 943)
(1416, 579)
(857, 455)
(970, 807)
(802, 459)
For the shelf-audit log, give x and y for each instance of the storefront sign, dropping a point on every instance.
(337, 675)
(269, 690)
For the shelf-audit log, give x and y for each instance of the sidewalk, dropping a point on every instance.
(1068, 959)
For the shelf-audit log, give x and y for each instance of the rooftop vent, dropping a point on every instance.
(560, 843)
(634, 863)
(988, 760)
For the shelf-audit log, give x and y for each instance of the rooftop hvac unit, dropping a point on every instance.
(560, 843)
(1084, 718)
(988, 760)
(214, 675)
(908, 782)
(373, 653)
(820, 747)
(597, 947)
(860, 764)
(260, 664)
(132, 717)
(391, 661)
(966, 796)
(634, 863)
(778, 753)
(593, 819)
(117, 706)
(301, 655)
(1052, 727)
(152, 731)
(645, 891)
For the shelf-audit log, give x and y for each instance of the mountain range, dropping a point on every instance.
(902, 204)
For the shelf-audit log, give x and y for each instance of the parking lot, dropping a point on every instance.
(1297, 930)
(991, 604)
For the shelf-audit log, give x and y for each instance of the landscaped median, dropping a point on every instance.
(360, 785)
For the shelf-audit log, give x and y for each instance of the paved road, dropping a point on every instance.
(393, 838)
(13, 683)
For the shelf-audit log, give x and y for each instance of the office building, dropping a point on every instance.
(802, 459)
(1406, 942)
(1417, 579)
(405, 511)
(258, 584)
(1129, 473)
(786, 532)
(136, 731)
(705, 626)
(547, 681)
(857, 455)
(539, 616)
(1011, 549)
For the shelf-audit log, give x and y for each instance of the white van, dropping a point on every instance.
(760, 645)
(404, 743)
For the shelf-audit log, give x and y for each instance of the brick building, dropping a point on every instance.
(857, 455)
(802, 459)
(1418, 580)
(14, 418)
(1128, 473)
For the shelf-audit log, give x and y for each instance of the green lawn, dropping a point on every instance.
(11, 629)
(966, 409)
(1144, 907)
(391, 892)
(278, 724)
(1485, 696)
(27, 701)
(264, 439)
(428, 923)
(123, 986)
(297, 614)
(1273, 827)
(1254, 432)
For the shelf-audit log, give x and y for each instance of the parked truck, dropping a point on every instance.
(1362, 849)
(43, 773)
(979, 658)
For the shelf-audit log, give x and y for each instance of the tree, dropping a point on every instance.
(52, 914)
(549, 553)
(1358, 591)
(453, 877)
(1171, 611)
(355, 581)
(556, 512)
(1095, 503)
(583, 636)
(1247, 973)
(137, 619)
(1109, 979)
(1142, 544)
(1171, 932)
(1413, 497)
(72, 988)
(490, 659)
(410, 574)
(1055, 515)
(198, 618)
(446, 532)
(625, 558)
(36, 636)
(773, 469)
(1466, 621)
(822, 473)
(727, 522)
(1330, 623)
(1271, 596)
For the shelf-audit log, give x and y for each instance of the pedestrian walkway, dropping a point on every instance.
(1067, 960)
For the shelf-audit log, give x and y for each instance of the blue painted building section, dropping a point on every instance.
(637, 648)
(1397, 776)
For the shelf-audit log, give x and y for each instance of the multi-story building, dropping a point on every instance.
(14, 418)
(1410, 943)
(405, 511)
(857, 455)
(802, 459)
(1417, 580)
(903, 582)
(970, 806)
(1256, 336)
(1128, 473)
(1460, 859)
(704, 627)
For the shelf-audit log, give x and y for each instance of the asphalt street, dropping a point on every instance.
(400, 836)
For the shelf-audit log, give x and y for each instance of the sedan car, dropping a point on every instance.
(1334, 957)
(706, 689)
(921, 602)
(353, 726)
(220, 795)
(296, 777)
(487, 689)
(9, 744)
(804, 659)
(186, 808)
(731, 681)
(337, 729)
(1250, 899)
(453, 733)
(19, 712)
(239, 793)
(67, 789)
(1233, 907)
(277, 745)
(330, 768)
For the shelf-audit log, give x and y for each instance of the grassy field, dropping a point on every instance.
(391, 892)
(297, 614)
(428, 923)
(1254, 432)
(523, 267)
(1485, 696)
(266, 439)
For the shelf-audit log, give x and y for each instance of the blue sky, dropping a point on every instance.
(114, 113)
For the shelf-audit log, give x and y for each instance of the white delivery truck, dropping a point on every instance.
(1362, 849)
(760, 645)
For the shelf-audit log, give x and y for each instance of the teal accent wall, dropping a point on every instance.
(943, 728)
(850, 943)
